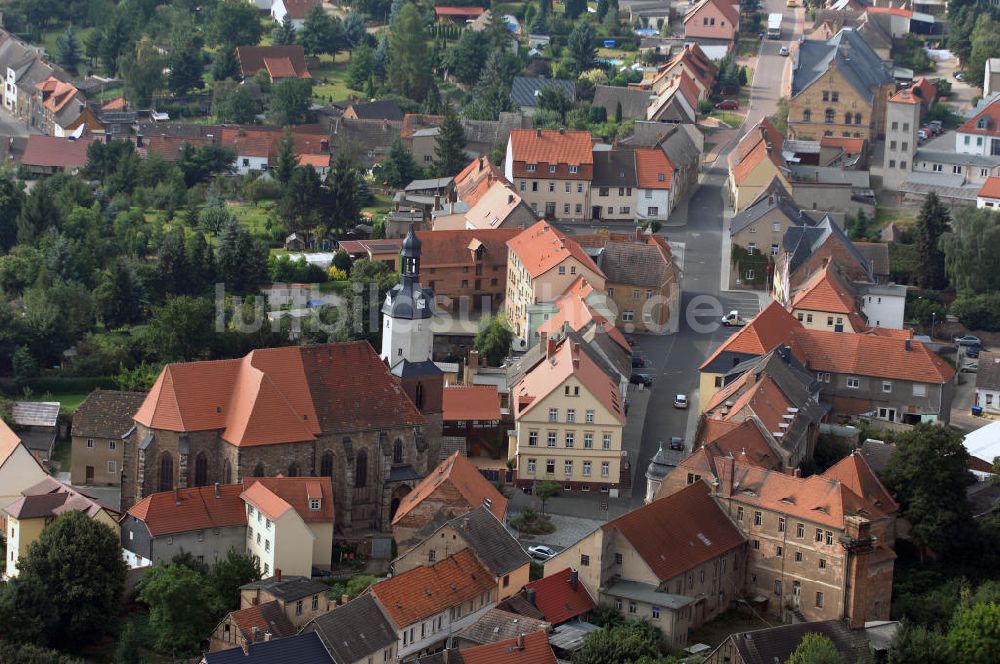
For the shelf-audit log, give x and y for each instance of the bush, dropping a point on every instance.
(533, 523)
(978, 312)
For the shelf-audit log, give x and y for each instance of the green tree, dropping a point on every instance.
(816, 649)
(11, 200)
(928, 476)
(553, 98)
(127, 650)
(181, 330)
(582, 47)
(68, 50)
(449, 149)
(241, 261)
(301, 205)
(975, 635)
(399, 167)
(344, 183)
(173, 262)
(234, 23)
(622, 644)
(914, 644)
(361, 67)
(24, 363)
(232, 103)
(540, 22)
(180, 608)
(284, 32)
(602, 9)
(227, 575)
(409, 71)
(142, 73)
(113, 42)
(354, 31)
(493, 339)
(545, 490)
(359, 584)
(286, 160)
(971, 262)
(289, 102)
(321, 33)
(201, 262)
(492, 94)
(932, 223)
(78, 560)
(985, 43)
(369, 281)
(185, 62)
(465, 60)
(574, 8)
(225, 65)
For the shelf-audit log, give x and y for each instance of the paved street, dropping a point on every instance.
(11, 126)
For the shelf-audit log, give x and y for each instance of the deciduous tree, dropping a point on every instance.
(409, 64)
(975, 635)
(932, 223)
(321, 33)
(816, 649)
(493, 340)
(289, 102)
(234, 23)
(180, 607)
(972, 262)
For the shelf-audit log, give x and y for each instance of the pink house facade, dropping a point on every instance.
(712, 19)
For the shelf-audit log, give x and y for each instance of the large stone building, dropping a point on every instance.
(552, 171)
(330, 410)
(901, 124)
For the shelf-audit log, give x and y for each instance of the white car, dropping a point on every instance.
(541, 552)
(681, 401)
(783, 51)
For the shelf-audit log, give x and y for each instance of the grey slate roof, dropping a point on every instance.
(289, 588)
(802, 241)
(355, 630)
(524, 90)
(877, 254)
(634, 102)
(106, 414)
(301, 649)
(877, 454)
(497, 625)
(988, 377)
(766, 646)
(491, 542)
(679, 148)
(378, 110)
(614, 168)
(952, 157)
(853, 57)
(774, 196)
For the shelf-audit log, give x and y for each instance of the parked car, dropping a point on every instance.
(681, 401)
(641, 379)
(972, 367)
(972, 352)
(733, 319)
(936, 126)
(923, 134)
(968, 340)
(783, 51)
(540, 552)
(958, 76)
(677, 443)
(638, 361)
(728, 105)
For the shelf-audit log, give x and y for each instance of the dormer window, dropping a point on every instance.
(530, 168)
(574, 169)
(983, 122)
(314, 504)
(552, 168)
(661, 177)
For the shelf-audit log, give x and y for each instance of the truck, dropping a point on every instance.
(733, 319)
(774, 25)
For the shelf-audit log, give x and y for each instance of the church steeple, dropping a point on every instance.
(407, 311)
(409, 259)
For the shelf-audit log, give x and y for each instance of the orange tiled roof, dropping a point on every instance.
(280, 68)
(990, 188)
(534, 649)
(277, 395)
(198, 508)
(458, 11)
(471, 402)
(905, 96)
(826, 292)
(543, 246)
(744, 442)
(424, 591)
(267, 618)
(761, 142)
(872, 355)
(8, 441)
(848, 145)
(274, 496)
(766, 331)
(557, 600)
(566, 361)
(473, 181)
(854, 472)
(991, 115)
(314, 160)
(690, 519)
(461, 475)
(551, 146)
(926, 90)
(653, 168)
(454, 248)
(574, 310)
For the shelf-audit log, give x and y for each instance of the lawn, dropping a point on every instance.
(331, 79)
(728, 117)
(381, 205)
(904, 218)
(50, 37)
(260, 219)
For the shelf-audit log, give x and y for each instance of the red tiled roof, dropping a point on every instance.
(905, 96)
(534, 648)
(189, 509)
(991, 116)
(267, 618)
(692, 61)
(744, 441)
(722, 6)
(574, 310)
(926, 90)
(424, 591)
(653, 168)
(690, 520)
(454, 248)
(551, 146)
(542, 247)
(471, 402)
(990, 188)
(848, 145)
(872, 355)
(253, 58)
(116, 104)
(767, 330)
(280, 68)
(895, 11)
(56, 151)
(557, 600)
(854, 472)
(314, 160)
(826, 292)
(461, 475)
(458, 11)
(169, 147)
(275, 496)
(761, 142)
(8, 441)
(299, 8)
(474, 180)
(276, 395)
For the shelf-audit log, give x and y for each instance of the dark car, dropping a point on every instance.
(968, 340)
(728, 105)
(637, 361)
(641, 379)
(972, 352)
(677, 443)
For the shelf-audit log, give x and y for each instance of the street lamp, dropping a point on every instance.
(933, 320)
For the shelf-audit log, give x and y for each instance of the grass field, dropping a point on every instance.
(261, 220)
(331, 79)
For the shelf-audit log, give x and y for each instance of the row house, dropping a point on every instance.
(693, 62)
(100, 426)
(357, 632)
(828, 301)
(677, 101)
(552, 170)
(755, 163)
(581, 309)
(300, 648)
(30, 79)
(58, 108)
(568, 422)
(614, 186)
(635, 562)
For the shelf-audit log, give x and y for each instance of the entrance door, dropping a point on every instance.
(796, 594)
(550, 210)
(887, 414)
(595, 212)
(90, 474)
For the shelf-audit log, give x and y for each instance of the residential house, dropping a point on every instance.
(369, 140)
(684, 154)
(552, 170)
(500, 207)
(58, 104)
(466, 269)
(454, 488)
(289, 523)
(875, 28)
(36, 423)
(547, 401)
(207, 522)
(24, 67)
(472, 413)
(633, 102)
(281, 62)
(300, 598)
(357, 632)
(777, 644)
(39, 506)
(655, 176)
(840, 87)
(819, 547)
(301, 649)
(419, 134)
(332, 410)
(692, 61)
(712, 20)
(677, 562)
(100, 426)
(257, 148)
(19, 469)
(525, 648)
(755, 163)
(980, 134)
(642, 282)
(525, 91)
(829, 302)
(458, 15)
(429, 603)
(542, 262)
(499, 625)
(989, 194)
(481, 532)
(473, 181)
(376, 251)
(578, 310)
(296, 10)
(48, 155)
(253, 624)
(559, 597)
(756, 233)
(613, 185)
(991, 78)
(676, 101)
(374, 110)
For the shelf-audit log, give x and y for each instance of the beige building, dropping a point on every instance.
(676, 563)
(558, 189)
(289, 524)
(827, 302)
(542, 262)
(755, 163)
(19, 470)
(568, 419)
(100, 426)
(757, 232)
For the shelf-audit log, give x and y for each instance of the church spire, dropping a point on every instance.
(410, 259)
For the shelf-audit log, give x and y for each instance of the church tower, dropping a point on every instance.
(407, 311)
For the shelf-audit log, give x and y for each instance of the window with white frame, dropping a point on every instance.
(530, 168)
(570, 439)
(919, 390)
(112, 466)
(586, 468)
(571, 415)
(588, 441)
(590, 416)
(568, 467)
(853, 382)
(553, 414)
(531, 466)
(628, 315)
(532, 439)
(112, 444)
(606, 441)
(605, 468)
(887, 386)
(550, 440)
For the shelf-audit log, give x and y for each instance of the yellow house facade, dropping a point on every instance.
(755, 164)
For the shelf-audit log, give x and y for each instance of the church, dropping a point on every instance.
(371, 423)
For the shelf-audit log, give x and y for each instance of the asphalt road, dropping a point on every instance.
(10, 125)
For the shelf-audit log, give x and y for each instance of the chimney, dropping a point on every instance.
(277, 573)
(538, 133)
(551, 345)
(218, 490)
(324, 145)
(520, 642)
(562, 131)
(727, 469)
(906, 345)
(529, 594)
(344, 599)
(797, 472)
(574, 579)
(177, 495)
(465, 524)
(267, 636)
